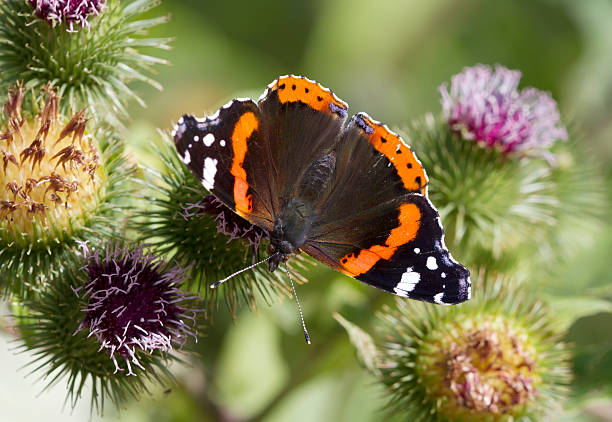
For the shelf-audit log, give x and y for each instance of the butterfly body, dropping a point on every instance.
(292, 227)
(352, 196)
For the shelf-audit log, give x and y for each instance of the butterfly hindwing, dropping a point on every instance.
(403, 252)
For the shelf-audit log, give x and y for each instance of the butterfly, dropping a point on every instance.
(353, 196)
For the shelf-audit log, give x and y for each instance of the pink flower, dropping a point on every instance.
(68, 11)
(486, 106)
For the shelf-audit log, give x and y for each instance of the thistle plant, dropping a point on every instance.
(183, 221)
(59, 184)
(121, 314)
(43, 42)
(490, 164)
(102, 281)
(497, 357)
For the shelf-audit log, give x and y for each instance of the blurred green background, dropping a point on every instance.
(387, 58)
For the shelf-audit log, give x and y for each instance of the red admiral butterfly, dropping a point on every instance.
(353, 197)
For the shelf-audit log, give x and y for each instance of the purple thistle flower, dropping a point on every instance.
(486, 106)
(229, 223)
(133, 303)
(69, 11)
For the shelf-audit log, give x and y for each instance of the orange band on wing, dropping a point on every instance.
(409, 223)
(292, 89)
(246, 125)
(391, 145)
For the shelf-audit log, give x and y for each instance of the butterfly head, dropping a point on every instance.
(279, 250)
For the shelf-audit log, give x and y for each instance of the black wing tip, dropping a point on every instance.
(464, 290)
(463, 286)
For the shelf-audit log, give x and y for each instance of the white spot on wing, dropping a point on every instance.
(180, 121)
(210, 170)
(196, 138)
(417, 250)
(208, 139)
(222, 142)
(186, 158)
(408, 282)
(438, 298)
(432, 264)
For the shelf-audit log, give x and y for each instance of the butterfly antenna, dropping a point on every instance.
(298, 306)
(218, 283)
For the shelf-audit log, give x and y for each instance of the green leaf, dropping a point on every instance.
(592, 359)
(366, 350)
(569, 309)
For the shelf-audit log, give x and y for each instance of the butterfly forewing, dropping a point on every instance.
(216, 150)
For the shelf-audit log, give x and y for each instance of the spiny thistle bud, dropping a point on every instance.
(184, 222)
(54, 186)
(90, 68)
(134, 304)
(118, 315)
(486, 106)
(495, 358)
(69, 12)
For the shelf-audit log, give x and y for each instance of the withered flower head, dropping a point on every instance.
(49, 169)
(486, 369)
(495, 358)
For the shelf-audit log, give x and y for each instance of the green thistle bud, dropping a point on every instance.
(119, 314)
(497, 357)
(91, 67)
(185, 223)
(58, 185)
(491, 205)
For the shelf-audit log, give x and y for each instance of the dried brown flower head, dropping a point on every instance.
(48, 173)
